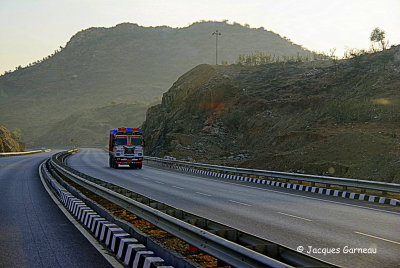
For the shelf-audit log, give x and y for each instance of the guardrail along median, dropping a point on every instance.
(372, 191)
(227, 244)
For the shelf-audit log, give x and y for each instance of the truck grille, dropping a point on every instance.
(129, 150)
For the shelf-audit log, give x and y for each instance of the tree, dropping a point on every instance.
(378, 36)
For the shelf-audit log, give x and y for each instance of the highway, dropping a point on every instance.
(33, 230)
(333, 227)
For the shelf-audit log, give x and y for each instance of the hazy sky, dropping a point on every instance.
(32, 29)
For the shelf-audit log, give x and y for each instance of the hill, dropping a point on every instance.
(91, 126)
(9, 142)
(127, 63)
(337, 118)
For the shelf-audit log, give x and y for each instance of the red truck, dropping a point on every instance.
(126, 147)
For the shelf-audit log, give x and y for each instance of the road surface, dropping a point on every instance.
(329, 228)
(33, 230)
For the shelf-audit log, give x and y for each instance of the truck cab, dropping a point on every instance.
(126, 147)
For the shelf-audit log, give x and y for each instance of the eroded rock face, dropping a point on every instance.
(337, 118)
(8, 143)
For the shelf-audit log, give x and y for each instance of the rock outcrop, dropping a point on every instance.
(337, 118)
(8, 141)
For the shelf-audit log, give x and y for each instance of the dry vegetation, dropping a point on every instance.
(336, 117)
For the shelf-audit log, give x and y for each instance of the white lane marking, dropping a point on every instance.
(377, 237)
(203, 194)
(301, 218)
(279, 192)
(177, 187)
(240, 203)
(273, 191)
(159, 182)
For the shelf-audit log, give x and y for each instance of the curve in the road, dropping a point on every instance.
(33, 231)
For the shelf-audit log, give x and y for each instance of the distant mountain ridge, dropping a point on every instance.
(127, 63)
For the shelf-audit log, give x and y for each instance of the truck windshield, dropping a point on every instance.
(120, 141)
(137, 141)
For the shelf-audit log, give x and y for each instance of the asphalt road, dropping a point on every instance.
(332, 226)
(33, 230)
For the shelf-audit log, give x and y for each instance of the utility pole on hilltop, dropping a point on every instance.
(216, 33)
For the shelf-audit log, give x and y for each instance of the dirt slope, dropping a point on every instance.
(338, 118)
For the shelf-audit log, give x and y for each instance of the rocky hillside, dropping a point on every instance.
(122, 64)
(339, 118)
(8, 141)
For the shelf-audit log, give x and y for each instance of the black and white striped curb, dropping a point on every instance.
(313, 189)
(127, 249)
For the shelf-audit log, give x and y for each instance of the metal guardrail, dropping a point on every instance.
(227, 244)
(344, 182)
(24, 153)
